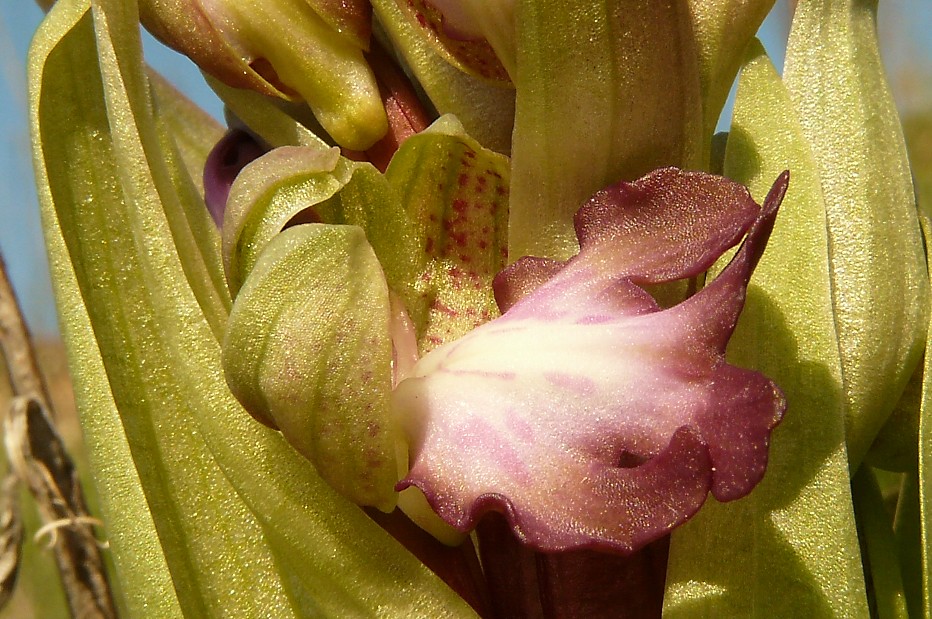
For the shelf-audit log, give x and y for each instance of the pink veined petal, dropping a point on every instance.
(586, 414)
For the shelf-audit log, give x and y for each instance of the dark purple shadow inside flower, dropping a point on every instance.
(230, 155)
(581, 583)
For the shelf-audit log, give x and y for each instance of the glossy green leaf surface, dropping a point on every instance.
(790, 548)
(235, 509)
(880, 286)
(193, 130)
(91, 177)
(910, 545)
(146, 585)
(607, 91)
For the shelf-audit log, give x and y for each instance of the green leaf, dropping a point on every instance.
(309, 346)
(244, 525)
(895, 447)
(76, 168)
(606, 91)
(911, 546)
(880, 286)
(145, 583)
(194, 131)
(193, 230)
(790, 548)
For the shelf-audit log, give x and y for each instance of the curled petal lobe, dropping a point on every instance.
(586, 414)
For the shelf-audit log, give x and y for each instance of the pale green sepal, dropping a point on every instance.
(455, 193)
(191, 443)
(369, 200)
(606, 91)
(880, 286)
(326, 68)
(723, 30)
(266, 195)
(271, 191)
(496, 20)
(281, 48)
(486, 110)
(800, 518)
(875, 526)
(468, 50)
(309, 345)
(351, 18)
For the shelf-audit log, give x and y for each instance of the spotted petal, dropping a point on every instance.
(587, 414)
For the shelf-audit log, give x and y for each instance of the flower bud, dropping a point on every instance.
(283, 48)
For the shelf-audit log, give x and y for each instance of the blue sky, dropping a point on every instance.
(904, 33)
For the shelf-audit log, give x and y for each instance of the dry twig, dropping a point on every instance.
(11, 537)
(38, 457)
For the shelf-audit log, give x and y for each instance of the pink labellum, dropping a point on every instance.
(586, 414)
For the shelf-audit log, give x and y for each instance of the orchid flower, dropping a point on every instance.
(441, 325)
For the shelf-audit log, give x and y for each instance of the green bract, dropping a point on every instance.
(836, 81)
